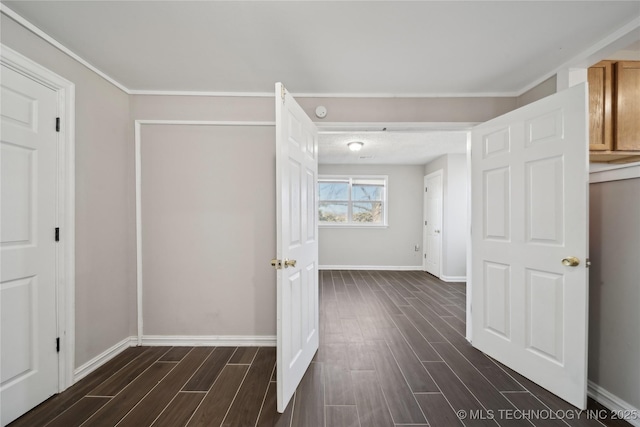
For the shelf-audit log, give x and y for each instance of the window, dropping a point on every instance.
(352, 201)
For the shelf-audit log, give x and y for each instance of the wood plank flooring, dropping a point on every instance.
(392, 353)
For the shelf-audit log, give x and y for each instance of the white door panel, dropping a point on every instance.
(433, 200)
(297, 231)
(529, 198)
(29, 361)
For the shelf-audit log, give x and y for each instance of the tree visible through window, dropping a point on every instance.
(352, 200)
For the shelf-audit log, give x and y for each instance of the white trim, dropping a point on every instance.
(615, 173)
(372, 267)
(613, 402)
(138, 173)
(175, 341)
(138, 189)
(510, 94)
(210, 340)
(469, 322)
(213, 94)
(350, 225)
(206, 122)
(102, 358)
(65, 202)
(453, 278)
(331, 128)
(53, 42)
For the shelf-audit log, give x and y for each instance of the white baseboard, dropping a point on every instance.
(453, 278)
(93, 364)
(613, 402)
(209, 340)
(372, 267)
(174, 341)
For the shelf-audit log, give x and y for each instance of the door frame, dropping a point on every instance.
(65, 252)
(424, 215)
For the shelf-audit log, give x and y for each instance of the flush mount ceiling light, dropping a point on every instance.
(355, 145)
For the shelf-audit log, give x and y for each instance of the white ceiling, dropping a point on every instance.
(389, 48)
(407, 148)
(335, 47)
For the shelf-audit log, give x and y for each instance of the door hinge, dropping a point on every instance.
(282, 92)
(426, 189)
(58, 345)
(57, 124)
(425, 223)
(57, 234)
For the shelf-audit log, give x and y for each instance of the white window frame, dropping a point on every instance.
(351, 224)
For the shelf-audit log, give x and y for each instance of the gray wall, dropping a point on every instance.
(105, 213)
(454, 218)
(339, 109)
(381, 247)
(409, 109)
(208, 203)
(614, 288)
(544, 89)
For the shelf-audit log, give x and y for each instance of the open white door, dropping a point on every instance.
(529, 228)
(297, 243)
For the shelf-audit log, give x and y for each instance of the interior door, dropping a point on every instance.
(29, 367)
(529, 241)
(297, 243)
(433, 222)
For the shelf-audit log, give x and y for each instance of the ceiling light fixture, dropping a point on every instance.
(355, 145)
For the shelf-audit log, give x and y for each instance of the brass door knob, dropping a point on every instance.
(276, 263)
(571, 261)
(289, 263)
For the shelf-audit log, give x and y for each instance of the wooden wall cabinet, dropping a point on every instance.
(627, 106)
(614, 111)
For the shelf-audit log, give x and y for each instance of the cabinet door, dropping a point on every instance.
(627, 106)
(600, 85)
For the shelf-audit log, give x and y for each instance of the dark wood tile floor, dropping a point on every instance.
(392, 353)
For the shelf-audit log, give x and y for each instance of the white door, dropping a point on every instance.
(297, 243)
(529, 199)
(29, 366)
(433, 222)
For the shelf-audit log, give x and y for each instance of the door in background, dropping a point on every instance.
(433, 223)
(29, 360)
(529, 241)
(297, 243)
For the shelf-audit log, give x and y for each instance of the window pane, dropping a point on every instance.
(367, 212)
(333, 211)
(333, 190)
(367, 192)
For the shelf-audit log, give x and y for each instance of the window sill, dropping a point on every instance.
(353, 226)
